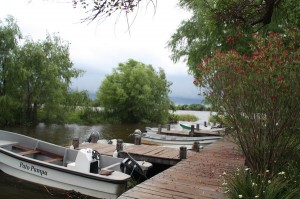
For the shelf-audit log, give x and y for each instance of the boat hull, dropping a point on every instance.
(61, 177)
(166, 140)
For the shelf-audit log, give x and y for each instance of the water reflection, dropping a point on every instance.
(63, 134)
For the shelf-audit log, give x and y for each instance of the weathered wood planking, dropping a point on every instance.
(106, 149)
(199, 176)
(153, 154)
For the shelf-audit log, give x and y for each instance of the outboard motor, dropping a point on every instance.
(132, 168)
(94, 137)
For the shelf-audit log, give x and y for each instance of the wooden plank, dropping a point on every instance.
(185, 189)
(51, 155)
(158, 193)
(29, 152)
(140, 149)
(144, 195)
(53, 160)
(21, 147)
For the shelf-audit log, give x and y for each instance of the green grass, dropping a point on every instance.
(188, 117)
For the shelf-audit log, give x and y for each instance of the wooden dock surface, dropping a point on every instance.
(149, 153)
(198, 176)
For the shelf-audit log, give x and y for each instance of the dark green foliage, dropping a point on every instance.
(192, 107)
(173, 118)
(33, 76)
(212, 27)
(135, 93)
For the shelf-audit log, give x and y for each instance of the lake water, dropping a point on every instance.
(62, 135)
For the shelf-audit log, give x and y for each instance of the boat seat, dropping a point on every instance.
(29, 152)
(54, 160)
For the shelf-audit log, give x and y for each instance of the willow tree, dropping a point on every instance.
(46, 75)
(224, 25)
(135, 93)
(9, 37)
(33, 75)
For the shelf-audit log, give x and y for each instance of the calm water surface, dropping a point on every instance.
(14, 188)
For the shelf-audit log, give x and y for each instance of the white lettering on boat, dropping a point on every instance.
(32, 168)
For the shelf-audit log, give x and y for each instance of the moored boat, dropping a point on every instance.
(187, 127)
(85, 171)
(176, 141)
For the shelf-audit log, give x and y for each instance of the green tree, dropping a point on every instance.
(46, 76)
(212, 26)
(9, 104)
(135, 93)
(77, 99)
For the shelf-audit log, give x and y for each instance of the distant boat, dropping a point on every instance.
(186, 126)
(202, 127)
(176, 141)
(64, 168)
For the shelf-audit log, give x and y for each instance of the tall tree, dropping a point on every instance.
(216, 25)
(135, 92)
(46, 75)
(9, 37)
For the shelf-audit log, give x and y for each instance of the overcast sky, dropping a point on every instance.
(98, 47)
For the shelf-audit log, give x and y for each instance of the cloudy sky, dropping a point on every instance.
(99, 46)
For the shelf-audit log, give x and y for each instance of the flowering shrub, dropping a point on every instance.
(259, 94)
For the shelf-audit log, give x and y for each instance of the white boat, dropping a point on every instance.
(64, 168)
(176, 141)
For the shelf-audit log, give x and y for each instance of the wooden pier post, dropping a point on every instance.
(198, 127)
(159, 129)
(196, 146)
(168, 127)
(192, 130)
(137, 140)
(205, 123)
(182, 152)
(75, 143)
(119, 145)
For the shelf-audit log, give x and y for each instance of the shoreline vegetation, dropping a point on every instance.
(94, 115)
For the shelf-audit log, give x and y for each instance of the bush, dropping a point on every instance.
(246, 184)
(187, 117)
(258, 95)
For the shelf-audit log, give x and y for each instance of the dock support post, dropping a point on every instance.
(192, 130)
(182, 152)
(137, 140)
(196, 146)
(205, 124)
(75, 143)
(159, 129)
(119, 146)
(168, 127)
(198, 127)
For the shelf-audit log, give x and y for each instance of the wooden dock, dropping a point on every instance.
(153, 154)
(198, 176)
